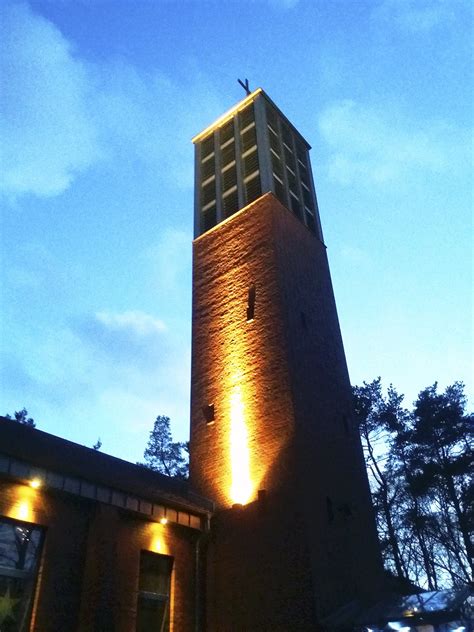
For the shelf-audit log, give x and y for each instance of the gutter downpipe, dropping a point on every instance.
(201, 545)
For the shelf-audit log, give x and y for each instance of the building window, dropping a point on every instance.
(154, 592)
(251, 303)
(20, 552)
(208, 413)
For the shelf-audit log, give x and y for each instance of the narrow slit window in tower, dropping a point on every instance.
(251, 303)
(208, 413)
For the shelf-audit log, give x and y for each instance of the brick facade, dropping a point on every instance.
(90, 560)
(316, 529)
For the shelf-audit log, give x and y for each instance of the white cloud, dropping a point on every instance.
(61, 115)
(379, 146)
(169, 262)
(354, 256)
(417, 16)
(140, 323)
(47, 135)
(124, 372)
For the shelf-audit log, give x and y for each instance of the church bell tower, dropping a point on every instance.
(273, 441)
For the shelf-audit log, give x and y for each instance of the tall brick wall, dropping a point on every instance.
(228, 351)
(304, 448)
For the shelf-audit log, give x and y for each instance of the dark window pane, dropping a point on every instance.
(251, 303)
(228, 154)
(208, 192)
(310, 221)
(249, 139)
(227, 132)
(154, 592)
(250, 163)
(208, 413)
(290, 160)
(207, 146)
(20, 551)
(301, 152)
(304, 177)
(279, 190)
(229, 178)
(308, 199)
(277, 167)
(208, 218)
(272, 118)
(152, 614)
(253, 189)
(292, 181)
(246, 116)
(295, 206)
(208, 168)
(286, 135)
(275, 143)
(231, 203)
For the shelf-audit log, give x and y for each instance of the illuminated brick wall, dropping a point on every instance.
(239, 367)
(300, 445)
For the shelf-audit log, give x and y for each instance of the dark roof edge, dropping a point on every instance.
(49, 451)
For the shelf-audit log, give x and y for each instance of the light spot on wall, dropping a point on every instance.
(241, 488)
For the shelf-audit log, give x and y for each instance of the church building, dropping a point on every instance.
(274, 531)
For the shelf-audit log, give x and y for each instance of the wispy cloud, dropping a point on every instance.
(169, 263)
(138, 322)
(354, 256)
(417, 16)
(381, 146)
(47, 135)
(61, 114)
(132, 338)
(121, 365)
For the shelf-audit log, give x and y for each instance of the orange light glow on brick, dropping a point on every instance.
(241, 488)
(24, 504)
(23, 510)
(157, 541)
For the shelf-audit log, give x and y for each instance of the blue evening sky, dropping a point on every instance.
(100, 99)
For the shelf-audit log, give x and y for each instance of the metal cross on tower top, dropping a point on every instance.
(245, 85)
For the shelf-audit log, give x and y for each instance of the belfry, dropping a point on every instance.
(273, 441)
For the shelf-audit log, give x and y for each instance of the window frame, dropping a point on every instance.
(152, 596)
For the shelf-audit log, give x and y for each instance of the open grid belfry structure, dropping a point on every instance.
(273, 440)
(251, 150)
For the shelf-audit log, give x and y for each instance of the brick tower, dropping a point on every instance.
(273, 441)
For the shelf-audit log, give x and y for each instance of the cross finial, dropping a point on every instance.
(245, 85)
